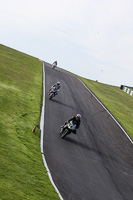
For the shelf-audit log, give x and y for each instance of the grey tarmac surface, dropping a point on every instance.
(94, 164)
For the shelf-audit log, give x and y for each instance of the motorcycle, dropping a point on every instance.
(52, 93)
(67, 129)
(54, 65)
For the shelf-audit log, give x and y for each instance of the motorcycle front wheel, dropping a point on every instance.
(51, 96)
(64, 133)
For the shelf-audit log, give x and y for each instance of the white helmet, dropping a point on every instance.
(58, 83)
(78, 117)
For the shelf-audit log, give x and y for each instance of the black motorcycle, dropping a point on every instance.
(67, 129)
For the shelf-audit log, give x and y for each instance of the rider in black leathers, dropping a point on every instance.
(76, 120)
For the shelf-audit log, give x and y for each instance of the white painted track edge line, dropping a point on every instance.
(42, 114)
(106, 110)
(41, 138)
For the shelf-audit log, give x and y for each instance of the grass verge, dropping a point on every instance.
(23, 175)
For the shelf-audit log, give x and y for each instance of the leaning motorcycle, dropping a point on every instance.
(67, 129)
(54, 65)
(52, 93)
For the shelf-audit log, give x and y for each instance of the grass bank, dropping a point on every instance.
(119, 103)
(23, 175)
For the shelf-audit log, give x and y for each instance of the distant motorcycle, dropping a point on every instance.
(54, 65)
(52, 93)
(67, 129)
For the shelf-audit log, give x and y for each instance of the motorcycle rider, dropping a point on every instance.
(56, 87)
(54, 64)
(76, 120)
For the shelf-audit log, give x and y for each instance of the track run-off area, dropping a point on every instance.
(94, 164)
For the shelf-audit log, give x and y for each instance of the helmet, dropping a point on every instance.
(58, 83)
(78, 117)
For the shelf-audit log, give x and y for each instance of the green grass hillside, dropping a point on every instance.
(23, 175)
(119, 103)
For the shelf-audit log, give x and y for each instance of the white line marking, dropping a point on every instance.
(41, 137)
(42, 114)
(107, 111)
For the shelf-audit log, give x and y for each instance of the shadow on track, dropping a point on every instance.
(63, 104)
(71, 140)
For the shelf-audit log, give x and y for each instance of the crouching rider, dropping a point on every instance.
(56, 87)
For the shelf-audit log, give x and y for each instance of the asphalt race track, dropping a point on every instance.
(97, 162)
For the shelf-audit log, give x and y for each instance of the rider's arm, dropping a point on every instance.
(77, 125)
(53, 86)
(58, 88)
(71, 119)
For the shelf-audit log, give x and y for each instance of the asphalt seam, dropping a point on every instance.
(41, 137)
